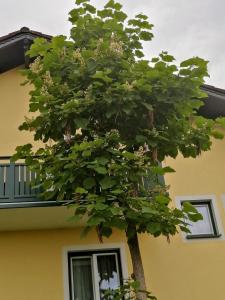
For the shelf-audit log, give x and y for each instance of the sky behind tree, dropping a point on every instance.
(183, 28)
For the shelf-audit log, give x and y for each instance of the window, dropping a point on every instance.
(206, 228)
(90, 273)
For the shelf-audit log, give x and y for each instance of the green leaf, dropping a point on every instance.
(166, 57)
(90, 8)
(154, 228)
(58, 42)
(188, 207)
(85, 231)
(217, 134)
(80, 190)
(168, 170)
(107, 183)
(81, 123)
(102, 76)
(101, 170)
(141, 139)
(78, 2)
(106, 231)
(86, 153)
(221, 122)
(74, 218)
(117, 192)
(89, 183)
(148, 106)
(119, 223)
(184, 229)
(139, 53)
(195, 217)
(111, 4)
(100, 206)
(162, 199)
(129, 155)
(39, 47)
(34, 106)
(102, 160)
(105, 13)
(155, 59)
(95, 220)
(146, 35)
(116, 211)
(148, 210)
(162, 171)
(120, 16)
(141, 16)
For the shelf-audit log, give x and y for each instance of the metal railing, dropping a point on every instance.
(16, 182)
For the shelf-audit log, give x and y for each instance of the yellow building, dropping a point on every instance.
(42, 256)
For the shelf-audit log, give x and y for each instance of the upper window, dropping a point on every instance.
(91, 273)
(206, 228)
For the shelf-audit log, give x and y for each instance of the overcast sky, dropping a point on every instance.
(184, 28)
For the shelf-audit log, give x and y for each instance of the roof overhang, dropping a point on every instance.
(215, 103)
(14, 46)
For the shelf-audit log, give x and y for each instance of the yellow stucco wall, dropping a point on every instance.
(13, 108)
(31, 261)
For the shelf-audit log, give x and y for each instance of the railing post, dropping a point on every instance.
(11, 180)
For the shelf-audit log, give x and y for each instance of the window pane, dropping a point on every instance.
(82, 279)
(203, 226)
(108, 273)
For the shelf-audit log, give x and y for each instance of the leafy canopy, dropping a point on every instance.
(107, 117)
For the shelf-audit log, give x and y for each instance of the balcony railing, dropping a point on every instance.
(16, 182)
(17, 185)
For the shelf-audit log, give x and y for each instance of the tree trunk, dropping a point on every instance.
(138, 269)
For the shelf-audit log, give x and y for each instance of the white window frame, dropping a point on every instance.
(92, 247)
(223, 199)
(216, 215)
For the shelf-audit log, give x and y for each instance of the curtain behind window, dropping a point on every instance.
(82, 279)
(108, 273)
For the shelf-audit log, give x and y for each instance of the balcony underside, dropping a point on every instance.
(32, 218)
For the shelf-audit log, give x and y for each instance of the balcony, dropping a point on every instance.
(16, 186)
(16, 191)
(17, 181)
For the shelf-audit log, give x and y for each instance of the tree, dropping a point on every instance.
(107, 118)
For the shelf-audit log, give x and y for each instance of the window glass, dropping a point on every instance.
(92, 273)
(203, 226)
(108, 273)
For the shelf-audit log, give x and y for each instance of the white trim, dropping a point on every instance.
(212, 198)
(223, 199)
(91, 247)
(95, 279)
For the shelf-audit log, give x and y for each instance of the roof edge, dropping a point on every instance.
(22, 31)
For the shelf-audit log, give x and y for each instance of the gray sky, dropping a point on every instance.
(184, 28)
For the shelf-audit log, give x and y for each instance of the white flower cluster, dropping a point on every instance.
(77, 56)
(62, 52)
(36, 67)
(47, 79)
(128, 86)
(116, 46)
(44, 90)
(98, 48)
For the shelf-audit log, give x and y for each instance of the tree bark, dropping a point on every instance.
(138, 270)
